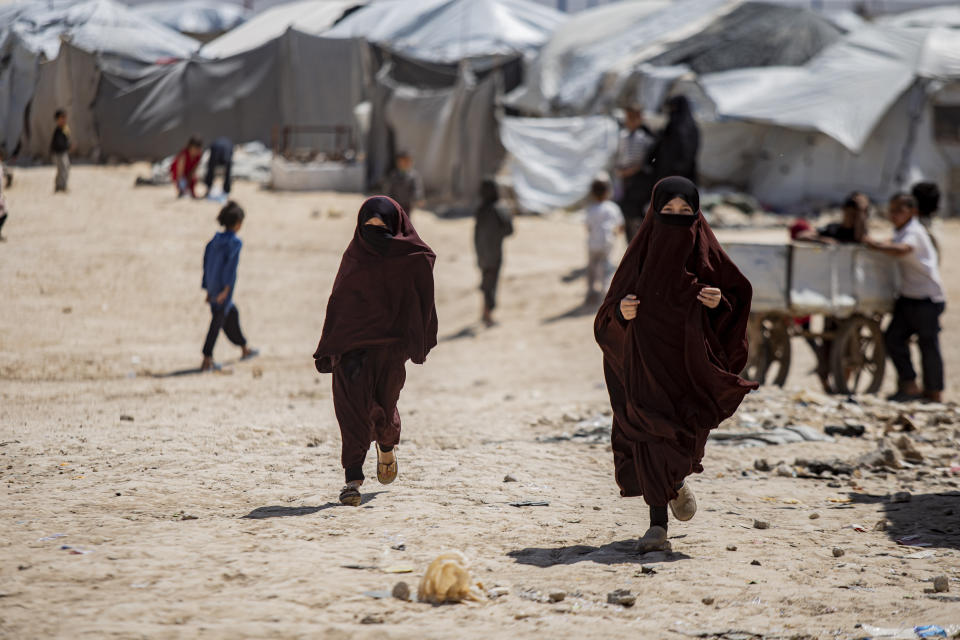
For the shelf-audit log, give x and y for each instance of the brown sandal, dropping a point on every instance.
(386, 471)
(350, 495)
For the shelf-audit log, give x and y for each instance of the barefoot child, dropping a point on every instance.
(673, 333)
(380, 314)
(220, 261)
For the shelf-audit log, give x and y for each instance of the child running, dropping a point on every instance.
(380, 314)
(220, 261)
(673, 333)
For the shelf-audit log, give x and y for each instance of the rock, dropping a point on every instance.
(401, 591)
(761, 524)
(838, 552)
(885, 456)
(509, 478)
(372, 619)
(496, 592)
(755, 563)
(785, 471)
(847, 430)
(125, 418)
(901, 496)
(648, 569)
(834, 467)
(908, 449)
(814, 515)
(708, 600)
(557, 596)
(596, 508)
(905, 422)
(622, 597)
(941, 584)
(881, 525)
(760, 464)
(834, 485)
(731, 547)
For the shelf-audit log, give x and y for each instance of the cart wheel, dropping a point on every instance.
(769, 359)
(858, 356)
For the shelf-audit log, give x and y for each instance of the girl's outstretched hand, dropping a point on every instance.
(710, 297)
(628, 307)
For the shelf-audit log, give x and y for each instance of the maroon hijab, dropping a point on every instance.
(672, 372)
(383, 293)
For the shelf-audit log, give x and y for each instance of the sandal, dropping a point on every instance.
(386, 471)
(684, 506)
(350, 495)
(655, 539)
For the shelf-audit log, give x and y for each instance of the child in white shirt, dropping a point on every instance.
(604, 221)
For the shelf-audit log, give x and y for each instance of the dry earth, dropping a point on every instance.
(100, 299)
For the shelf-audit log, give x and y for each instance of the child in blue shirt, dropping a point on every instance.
(220, 260)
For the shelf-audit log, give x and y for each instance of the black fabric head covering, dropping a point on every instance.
(376, 236)
(675, 187)
(489, 191)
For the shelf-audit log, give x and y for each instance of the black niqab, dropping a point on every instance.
(675, 187)
(376, 236)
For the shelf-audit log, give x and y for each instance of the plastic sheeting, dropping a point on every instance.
(306, 16)
(453, 30)
(18, 77)
(451, 133)
(242, 97)
(199, 17)
(556, 159)
(928, 18)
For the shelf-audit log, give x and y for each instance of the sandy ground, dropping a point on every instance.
(100, 298)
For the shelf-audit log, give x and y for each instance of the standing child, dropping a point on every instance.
(220, 261)
(493, 224)
(673, 334)
(604, 219)
(404, 184)
(380, 314)
(60, 148)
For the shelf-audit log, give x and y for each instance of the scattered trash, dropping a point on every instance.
(126, 418)
(856, 527)
(401, 591)
(398, 569)
(760, 464)
(819, 467)
(372, 619)
(781, 435)
(913, 541)
(941, 584)
(847, 430)
(52, 537)
(622, 597)
(509, 478)
(358, 566)
(731, 547)
(930, 631)
(919, 555)
(761, 524)
(75, 551)
(648, 569)
(378, 595)
(530, 503)
(838, 552)
(180, 515)
(497, 592)
(447, 579)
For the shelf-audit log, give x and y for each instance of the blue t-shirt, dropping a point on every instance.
(220, 260)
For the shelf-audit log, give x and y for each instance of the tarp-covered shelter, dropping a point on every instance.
(306, 16)
(589, 60)
(201, 19)
(243, 96)
(861, 115)
(35, 80)
(447, 31)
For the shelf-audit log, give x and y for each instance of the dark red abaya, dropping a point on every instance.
(672, 372)
(380, 314)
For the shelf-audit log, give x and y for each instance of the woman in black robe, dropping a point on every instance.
(380, 314)
(673, 334)
(675, 151)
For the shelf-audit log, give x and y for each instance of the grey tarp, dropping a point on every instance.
(18, 76)
(451, 133)
(242, 97)
(70, 82)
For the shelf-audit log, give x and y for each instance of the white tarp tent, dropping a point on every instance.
(306, 16)
(448, 31)
(588, 62)
(928, 18)
(554, 160)
(196, 17)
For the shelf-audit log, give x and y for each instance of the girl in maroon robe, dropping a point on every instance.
(380, 314)
(673, 334)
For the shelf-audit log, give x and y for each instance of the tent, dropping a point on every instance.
(201, 19)
(447, 31)
(306, 16)
(34, 82)
(929, 18)
(587, 63)
(861, 115)
(243, 97)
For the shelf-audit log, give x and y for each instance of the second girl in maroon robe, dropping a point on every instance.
(380, 314)
(673, 334)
